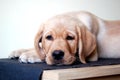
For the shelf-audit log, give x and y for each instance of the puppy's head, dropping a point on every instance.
(61, 38)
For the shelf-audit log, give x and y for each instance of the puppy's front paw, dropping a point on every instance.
(29, 57)
(17, 53)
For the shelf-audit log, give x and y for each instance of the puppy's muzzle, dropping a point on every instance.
(58, 55)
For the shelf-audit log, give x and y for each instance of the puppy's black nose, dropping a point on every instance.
(58, 54)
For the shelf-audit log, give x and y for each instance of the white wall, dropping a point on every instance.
(20, 19)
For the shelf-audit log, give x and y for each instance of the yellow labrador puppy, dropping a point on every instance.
(64, 36)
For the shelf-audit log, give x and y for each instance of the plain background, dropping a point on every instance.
(20, 19)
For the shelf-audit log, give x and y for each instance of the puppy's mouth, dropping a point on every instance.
(58, 62)
(59, 58)
(68, 61)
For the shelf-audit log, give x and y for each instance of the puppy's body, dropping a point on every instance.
(107, 34)
(62, 35)
(108, 40)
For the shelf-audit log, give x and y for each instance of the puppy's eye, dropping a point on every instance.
(49, 37)
(70, 38)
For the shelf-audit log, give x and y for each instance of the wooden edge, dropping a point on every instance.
(81, 73)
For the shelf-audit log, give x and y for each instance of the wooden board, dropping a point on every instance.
(113, 77)
(81, 73)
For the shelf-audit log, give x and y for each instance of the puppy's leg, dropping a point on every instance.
(29, 57)
(25, 55)
(17, 53)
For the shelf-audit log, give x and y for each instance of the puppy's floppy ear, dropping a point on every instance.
(38, 38)
(87, 43)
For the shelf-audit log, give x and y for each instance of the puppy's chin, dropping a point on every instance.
(67, 61)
